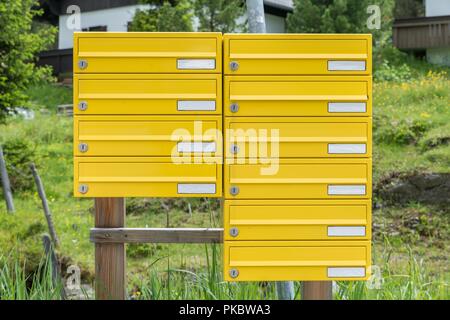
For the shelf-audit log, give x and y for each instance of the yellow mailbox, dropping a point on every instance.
(148, 112)
(297, 219)
(290, 96)
(147, 52)
(147, 177)
(145, 94)
(301, 54)
(296, 260)
(298, 137)
(298, 157)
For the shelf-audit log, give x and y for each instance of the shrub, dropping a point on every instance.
(18, 154)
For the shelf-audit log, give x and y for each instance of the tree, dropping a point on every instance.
(163, 15)
(409, 9)
(19, 44)
(328, 16)
(220, 15)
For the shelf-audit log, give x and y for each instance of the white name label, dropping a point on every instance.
(196, 147)
(347, 148)
(196, 188)
(346, 231)
(347, 190)
(192, 64)
(353, 272)
(196, 105)
(346, 107)
(346, 65)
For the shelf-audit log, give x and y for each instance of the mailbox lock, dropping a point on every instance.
(234, 232)
(234, 148)
(234, 190)
(83, 147)
(82, 64)
(83, 188)
(82, 105)
(234, 273)
(234, 65)
(234, 107)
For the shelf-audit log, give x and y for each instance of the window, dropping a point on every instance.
(95, 28)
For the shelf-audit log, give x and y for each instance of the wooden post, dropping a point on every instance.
(47, 212)
(56, 271)
(317, 290)
(110, 259)
(5, 183)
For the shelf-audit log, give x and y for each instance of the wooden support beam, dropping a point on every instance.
(110, 258)
(157, 235)
(317, 290)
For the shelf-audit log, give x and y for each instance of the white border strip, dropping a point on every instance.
(346, 65)
(196, 147)
(339, 231)
(347, 148)
(196, 64)
(347, 189)
(196, 188)
(346, 272)
(192, 105)
(359, 107)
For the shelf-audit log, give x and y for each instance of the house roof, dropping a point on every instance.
(59, 7)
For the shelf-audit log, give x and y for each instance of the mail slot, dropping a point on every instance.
(302, 54)
(298, 178)
(144, 94)
(147, 136)
(298, 137)
(296, 260)
(137, 52)
(297, 96)
(147, 177)
(297, 219)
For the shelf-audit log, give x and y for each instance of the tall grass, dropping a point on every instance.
(16, 284)
(416, 281)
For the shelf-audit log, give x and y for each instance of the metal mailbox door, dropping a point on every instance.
(295, 137)
(297, 220)
(296, 260)
(297, 96)
(147, 177)
(301, 54)
(163, 136)
(145, 94)
(299, 179)
(149, 52)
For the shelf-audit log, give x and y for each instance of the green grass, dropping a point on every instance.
(411, 132)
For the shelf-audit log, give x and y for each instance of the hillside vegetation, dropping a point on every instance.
(411, 238)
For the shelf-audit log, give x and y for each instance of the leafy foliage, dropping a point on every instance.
(219, 15)
(328, 16)
(18, 154)
(19, 43)
(163, 16)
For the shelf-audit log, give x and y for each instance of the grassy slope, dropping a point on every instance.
(411, 125)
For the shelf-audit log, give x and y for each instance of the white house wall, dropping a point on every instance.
(435, 8)
(115, 19)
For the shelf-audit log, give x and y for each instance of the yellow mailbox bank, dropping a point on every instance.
(148, 114)
(298, 157)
